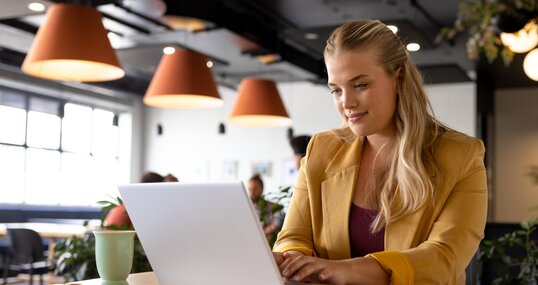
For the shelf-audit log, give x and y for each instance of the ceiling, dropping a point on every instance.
(237, 30)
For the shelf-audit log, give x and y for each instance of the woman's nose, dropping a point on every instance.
(348, 100)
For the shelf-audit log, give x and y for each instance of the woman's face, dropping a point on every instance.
(363, 92)
(254, 190)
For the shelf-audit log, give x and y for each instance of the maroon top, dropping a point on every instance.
(362, 241)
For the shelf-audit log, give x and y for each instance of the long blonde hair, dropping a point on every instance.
(406, 175)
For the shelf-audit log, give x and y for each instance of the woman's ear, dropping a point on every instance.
(398, 75)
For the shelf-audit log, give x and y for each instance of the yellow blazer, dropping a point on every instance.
(431, 246)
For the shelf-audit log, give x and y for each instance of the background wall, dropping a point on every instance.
(516, 142)
(191, 148)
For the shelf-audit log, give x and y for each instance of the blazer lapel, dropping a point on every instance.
(336, 195)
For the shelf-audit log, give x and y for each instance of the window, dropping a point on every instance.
(12, 124)
(12, 173)
(53, 152)
(77, 128)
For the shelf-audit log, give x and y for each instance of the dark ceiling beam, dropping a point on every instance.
(146, 18)
(126, 23)
(247, 22)
(426, 14)
(270, 14)
(18, 24)
(96, 3)
(443, 73)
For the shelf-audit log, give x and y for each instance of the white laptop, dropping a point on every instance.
(200, 234)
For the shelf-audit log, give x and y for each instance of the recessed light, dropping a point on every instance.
(311, 36)
(209, 63)
(393, 28)
(268, 58)
(169, 50)
(413, 47)
(36, 7)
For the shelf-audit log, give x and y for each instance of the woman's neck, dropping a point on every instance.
(378, 142)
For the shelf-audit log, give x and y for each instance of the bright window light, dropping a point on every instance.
(42, 176)
(77, 128)
(413, 47)
(105, 134)
(12, 182)
(43, 130)
(12, 124)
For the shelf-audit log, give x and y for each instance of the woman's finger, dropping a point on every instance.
(309, 271)
(279, 258)
(294, 265)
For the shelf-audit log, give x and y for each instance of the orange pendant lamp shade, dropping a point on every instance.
(258, 104)
(183, 81)
(72, 45)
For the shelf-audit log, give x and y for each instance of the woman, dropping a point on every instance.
(394, 197)
(270, 217)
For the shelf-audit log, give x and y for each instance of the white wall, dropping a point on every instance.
(454, 104)
(516, 141)
(191, 146)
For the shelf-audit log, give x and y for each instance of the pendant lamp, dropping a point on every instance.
(530, 64)
(183, 81)
(258, 104)
(523, 40)
(72, 45)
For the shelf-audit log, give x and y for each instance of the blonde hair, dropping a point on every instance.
(406, 175)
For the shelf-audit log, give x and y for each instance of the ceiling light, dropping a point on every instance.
(209, 64)
(183, 81)
(169, 50)
(268, 58)
(259, 104)
(523, 40)
(413, 47)
(184, 23)
(530, 64)
(311, 36)
(393, 28)
(72, 45)
(36, 7)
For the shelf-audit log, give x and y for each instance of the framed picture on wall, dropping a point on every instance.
(289, 171)
(262, 167)
(229, 170)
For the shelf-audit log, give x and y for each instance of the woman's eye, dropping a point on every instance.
(336, 92)
(360, 86)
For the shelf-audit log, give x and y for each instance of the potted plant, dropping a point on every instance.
(514, 269)
(484, 20)
(75, 256)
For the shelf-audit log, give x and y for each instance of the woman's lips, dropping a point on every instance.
(355, 117)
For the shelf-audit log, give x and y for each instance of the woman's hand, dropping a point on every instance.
(350, 271)
(279, 256)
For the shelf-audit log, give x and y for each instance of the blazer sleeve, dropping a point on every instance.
(296, 233)
(455, 235)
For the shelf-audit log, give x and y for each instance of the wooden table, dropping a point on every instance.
(146, 278)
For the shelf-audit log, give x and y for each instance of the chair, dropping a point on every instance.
(470, 271)
(26, 254)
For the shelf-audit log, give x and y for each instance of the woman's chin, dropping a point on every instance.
(359, 130)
